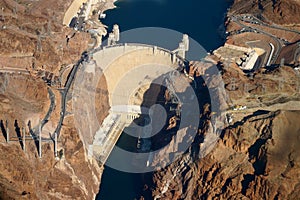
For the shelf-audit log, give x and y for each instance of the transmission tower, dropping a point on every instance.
(15, 10)
(233, 84)
(263, 89)
(280, 85)
(39, 43)
(246, 88)
(49, 27)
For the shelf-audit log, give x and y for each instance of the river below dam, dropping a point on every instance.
(202, 20)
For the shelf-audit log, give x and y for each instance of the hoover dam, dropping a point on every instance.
(129, 70)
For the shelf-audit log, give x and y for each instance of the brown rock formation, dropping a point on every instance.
(254, 159)
(278, 11)
(34, 32)
(255, 156)
(34, 44)
(24, 174)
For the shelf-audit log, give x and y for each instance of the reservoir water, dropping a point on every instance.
(201, 19)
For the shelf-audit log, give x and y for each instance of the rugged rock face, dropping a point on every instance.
(278, 11)
(24, 174)
(34, 49)
(33, 36)
(251, 160)
(256, 155)
(22, 96)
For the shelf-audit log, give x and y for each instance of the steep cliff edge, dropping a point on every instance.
(257, 154)
(256, 158)
(279, 11)
(23, 173)
(36, 59)
(33, 36)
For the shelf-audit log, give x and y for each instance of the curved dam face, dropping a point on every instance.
(130, 69)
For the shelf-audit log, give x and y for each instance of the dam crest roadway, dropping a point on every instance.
(129, 70)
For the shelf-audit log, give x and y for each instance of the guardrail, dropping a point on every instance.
(143, 45)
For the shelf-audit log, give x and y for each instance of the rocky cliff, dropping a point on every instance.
(254, 159)
(256, 155)
(276, 11)
(35, 60)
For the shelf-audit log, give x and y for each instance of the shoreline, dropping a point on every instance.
(76, 5)
(146, 178)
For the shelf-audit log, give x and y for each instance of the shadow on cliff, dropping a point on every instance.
(3, 130)
(18, 132)
(156, 94)
(33, 135)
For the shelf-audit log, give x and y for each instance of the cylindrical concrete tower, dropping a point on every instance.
(181, 49)
(116, 32)
(111, 39)
(186, 42)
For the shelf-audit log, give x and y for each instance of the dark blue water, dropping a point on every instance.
(116, 185)
(201, 20)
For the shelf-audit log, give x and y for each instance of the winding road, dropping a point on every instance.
(65, 91)
(278, 45)
(51, 108)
